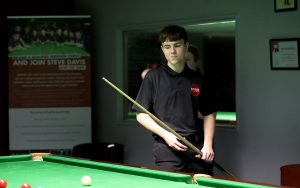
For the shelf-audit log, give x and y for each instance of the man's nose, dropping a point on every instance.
(173, 49)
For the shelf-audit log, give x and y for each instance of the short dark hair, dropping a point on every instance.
(173, 33)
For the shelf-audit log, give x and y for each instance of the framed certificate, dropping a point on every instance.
(284, 54)
(285, 5)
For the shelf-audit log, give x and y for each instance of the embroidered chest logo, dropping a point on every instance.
(195, 90)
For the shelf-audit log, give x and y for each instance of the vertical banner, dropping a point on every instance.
(49, 68)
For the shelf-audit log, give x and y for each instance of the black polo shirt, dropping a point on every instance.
(175, 98)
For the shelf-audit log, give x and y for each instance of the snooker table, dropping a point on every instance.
(52, 171)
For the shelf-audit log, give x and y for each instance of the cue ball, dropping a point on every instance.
(86, 180)
(25, 185)
(3, 183)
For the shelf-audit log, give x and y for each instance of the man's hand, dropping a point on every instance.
(207, 154)
(173, 142)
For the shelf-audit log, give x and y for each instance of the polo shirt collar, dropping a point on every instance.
(172, 72)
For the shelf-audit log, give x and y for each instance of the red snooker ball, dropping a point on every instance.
(25, 185)
(3, 183)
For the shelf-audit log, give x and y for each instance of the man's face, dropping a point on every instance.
(174, 51)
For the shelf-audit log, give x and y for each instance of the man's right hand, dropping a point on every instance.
(173, 142)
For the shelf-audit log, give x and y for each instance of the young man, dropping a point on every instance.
(175, 94)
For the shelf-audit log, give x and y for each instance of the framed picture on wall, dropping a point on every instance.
(285, 5)
(284, 54)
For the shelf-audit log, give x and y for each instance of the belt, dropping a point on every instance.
(193, 138)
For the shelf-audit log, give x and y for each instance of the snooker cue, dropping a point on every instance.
(165, 126)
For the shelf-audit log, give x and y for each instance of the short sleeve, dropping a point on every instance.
(145, 95)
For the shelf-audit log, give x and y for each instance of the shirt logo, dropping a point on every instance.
(195, 89)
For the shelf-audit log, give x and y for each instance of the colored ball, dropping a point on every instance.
(3, 183)
(86, 180)
(25, 185)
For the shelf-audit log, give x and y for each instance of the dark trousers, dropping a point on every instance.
(168, 159)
